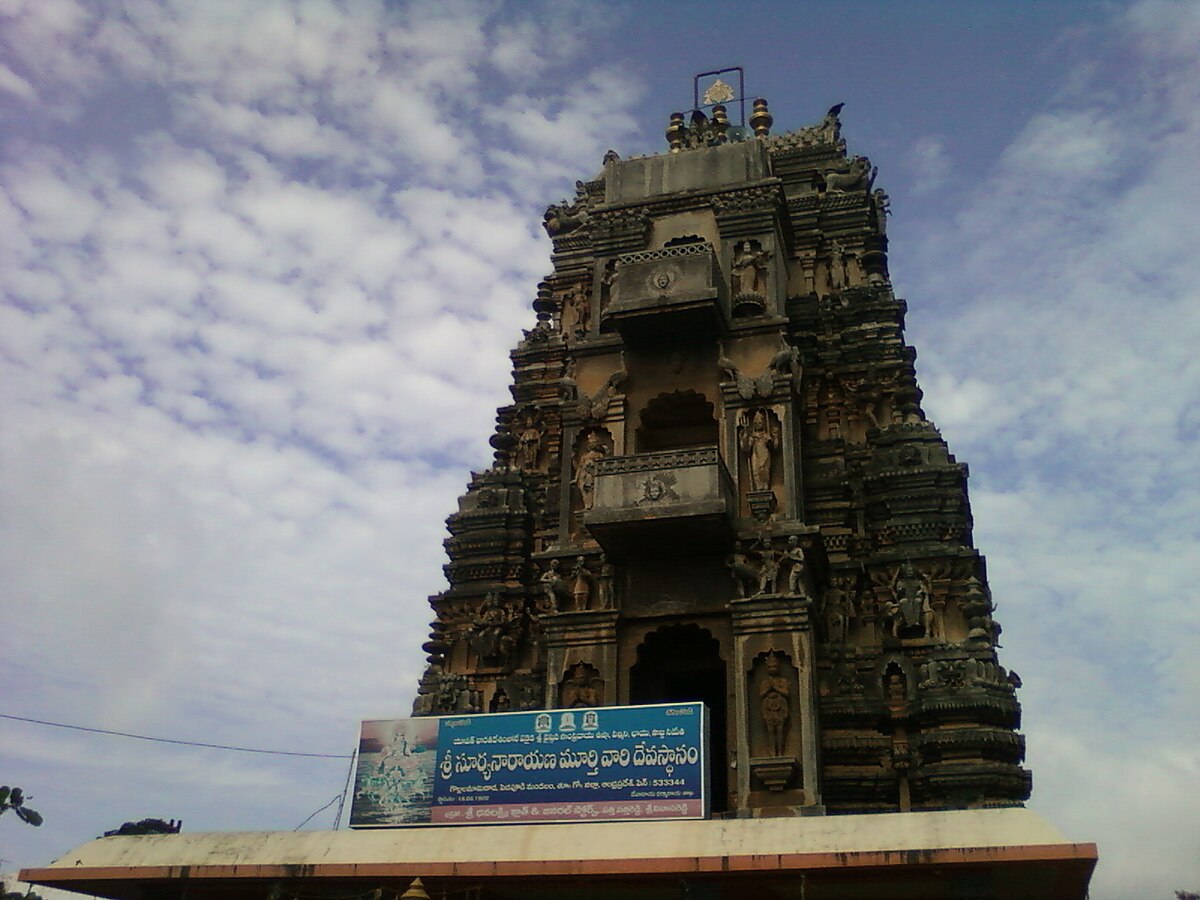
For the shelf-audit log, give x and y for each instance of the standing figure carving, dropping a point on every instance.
(604, 586)
(768, 570)
(837, 267)
(576, 316)
(774, 694)
(581, 584)
(911, 597)
(759, 441)
(554, 589)
(585, 467)
(794, 556)
(529, 444)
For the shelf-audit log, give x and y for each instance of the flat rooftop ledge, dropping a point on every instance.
(984, 839)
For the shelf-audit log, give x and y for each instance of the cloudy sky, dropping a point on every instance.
(261, 264)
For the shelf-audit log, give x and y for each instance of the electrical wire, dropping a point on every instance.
(326, 806)
(161, 740)
(337, 820)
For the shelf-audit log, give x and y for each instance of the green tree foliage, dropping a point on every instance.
(14, 799)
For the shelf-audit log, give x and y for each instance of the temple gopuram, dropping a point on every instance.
(715, 482)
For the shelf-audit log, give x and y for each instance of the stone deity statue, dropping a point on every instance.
(911, 595)
(774, 693)
(529, 442)
(585, 468)
(758, 445)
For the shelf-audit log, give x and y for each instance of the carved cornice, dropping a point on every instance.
(627, 218)
(764, 197)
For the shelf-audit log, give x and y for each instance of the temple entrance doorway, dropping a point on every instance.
(680, 664)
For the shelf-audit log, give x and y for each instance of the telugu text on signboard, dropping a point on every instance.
(599, 764)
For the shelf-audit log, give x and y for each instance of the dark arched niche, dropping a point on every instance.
(682, 663)
(675, 421)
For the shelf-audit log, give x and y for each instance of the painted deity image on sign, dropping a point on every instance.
(394, 781)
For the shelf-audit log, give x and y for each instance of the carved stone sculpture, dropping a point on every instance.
(774, 697)
(581, 688)
(768, 571)
(836, 614)
(555, 590)
(469, 700)
(750, 269)
(794, 557)
(911, 596)
(745, 575)
(608, 287)
(585, 467)
(529, 444)
(495, 629)
(604, 587)
(581, 584)
(563, 218)
(857, 177)
(595, 407)
(576, 317)
(837, 267)
(758, 446)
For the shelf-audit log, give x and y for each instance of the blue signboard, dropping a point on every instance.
(592, 764)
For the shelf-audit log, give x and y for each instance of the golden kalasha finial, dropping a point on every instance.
(761, 120)
(720, 122)
(675, 132)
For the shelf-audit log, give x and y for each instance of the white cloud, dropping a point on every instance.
(1065, 286)
(931, 163)
(13, 83)
(249, 346)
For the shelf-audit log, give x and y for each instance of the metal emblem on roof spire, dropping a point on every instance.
(718, 92)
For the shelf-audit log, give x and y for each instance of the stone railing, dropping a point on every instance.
(685, 494)
(642, 256)
(650, 462)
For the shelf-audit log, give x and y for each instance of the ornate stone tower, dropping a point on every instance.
(715, 482)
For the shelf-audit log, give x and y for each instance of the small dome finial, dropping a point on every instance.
(761, 119)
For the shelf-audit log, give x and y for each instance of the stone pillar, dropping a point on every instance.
(774, 644)
(588, 637)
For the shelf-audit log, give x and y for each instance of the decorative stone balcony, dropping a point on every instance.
(650, 501)
(673, 290)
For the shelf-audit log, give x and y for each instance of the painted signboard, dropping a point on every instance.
(566, 765)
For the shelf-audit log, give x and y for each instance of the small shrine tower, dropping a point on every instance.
(715, 482)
